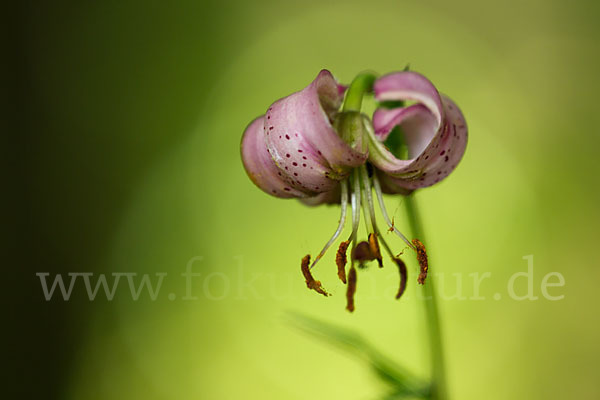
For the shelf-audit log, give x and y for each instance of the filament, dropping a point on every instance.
(367, 185)
(355, 206)
(385, 214)
(338, 231)
(369, 218)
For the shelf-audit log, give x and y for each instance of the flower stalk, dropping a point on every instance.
(363, 83)
(438, 379)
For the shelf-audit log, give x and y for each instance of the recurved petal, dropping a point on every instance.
(434, 130)
(409, 85)
(260, 166)
(302, 140)
(418, 125)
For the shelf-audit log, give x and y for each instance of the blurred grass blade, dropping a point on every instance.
(403, 382)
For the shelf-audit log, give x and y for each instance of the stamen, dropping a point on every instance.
(338, 231)
(422, 259)
(373, 242)
(372, 237)
(362, 253)
(375, 249)
(403, 275)
(351, 289)
(365, 205)
(341, 260)
(311, 283)
(385, 214)
(355, 206)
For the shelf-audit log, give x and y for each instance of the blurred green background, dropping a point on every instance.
(132, 113)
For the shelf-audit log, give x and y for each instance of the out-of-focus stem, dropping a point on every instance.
(438, 378)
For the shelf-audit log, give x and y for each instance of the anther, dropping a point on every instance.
(403, 276)
(391, 228)
(351, 289)
(363, 253)
(311, 283)
(341, 260)
(422, 259)
(374, 245)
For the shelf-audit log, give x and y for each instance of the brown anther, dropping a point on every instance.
(311, 283)
(341, 260)
(422, 259)
(362, 252)
(391, 229)
(351, 289)
(374, 245)
(403, 276)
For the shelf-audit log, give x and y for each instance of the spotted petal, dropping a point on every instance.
(305, 156)
(435, 132)
(260, 166)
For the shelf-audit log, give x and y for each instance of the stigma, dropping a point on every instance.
(356, 191)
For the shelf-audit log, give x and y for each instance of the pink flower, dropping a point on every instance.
(307, 146)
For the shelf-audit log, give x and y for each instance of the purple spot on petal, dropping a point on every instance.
(442, 152)
(287, 137)
(295, 164)
(288, 155)
(446, 159)
(304, 165)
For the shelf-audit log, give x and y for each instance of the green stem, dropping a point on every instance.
(363, 83)
(438, 384)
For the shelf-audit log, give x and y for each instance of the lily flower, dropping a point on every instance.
(308, 146)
